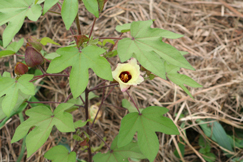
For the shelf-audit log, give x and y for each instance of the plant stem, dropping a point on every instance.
(82, 99)
(134, 103)
(92, 28)
(100, 138)
(95, 88)
(110, 38)
(98, 85)
(102, 100)
(42, 70)
(115, 43)
(67, 97)
(86, 106)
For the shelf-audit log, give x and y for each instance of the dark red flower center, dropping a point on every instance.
(125, 76)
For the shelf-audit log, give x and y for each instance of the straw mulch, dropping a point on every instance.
(213, 36)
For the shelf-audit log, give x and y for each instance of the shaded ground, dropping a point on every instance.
(214, 39)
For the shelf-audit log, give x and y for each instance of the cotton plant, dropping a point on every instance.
(143, 49)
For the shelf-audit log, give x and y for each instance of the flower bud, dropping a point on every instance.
(93, 111)
(34, 42)
(20, 68)
(33, 57)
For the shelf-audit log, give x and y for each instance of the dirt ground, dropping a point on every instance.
(213, 36)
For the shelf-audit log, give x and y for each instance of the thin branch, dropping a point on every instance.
(102, 101)
(100, 138)
(82, 99)
(98, 85)
(42, 70)
(133, 102)
(115, 43)
(92, 28)
(67, 97)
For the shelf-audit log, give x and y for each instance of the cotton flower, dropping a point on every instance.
(127, 74)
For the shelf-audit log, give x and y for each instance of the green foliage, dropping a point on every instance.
(11, 87)
(69, 12)
(123, 28)
(43, 119)
(46, 40)
(205, 150)
(180, 79)
(92, 7)
(81, 62)
(126, 104)
(150, 121)
(217, 133)
(14, 12)
(12, 48)
(120, 154)
(80, 123)
(60, 154)
(148, 48)
(48, 4)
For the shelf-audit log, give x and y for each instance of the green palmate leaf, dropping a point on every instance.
(46, 40)
(60, 154)
(11, 87)
(147, 46)
(92, 7)
(14, 12)
(48, 4)
(12, 48)
(81, 62)
(150, 121)
(120, 154)
(180, 79)
(69, 12)
(43, 119)
(123, 28)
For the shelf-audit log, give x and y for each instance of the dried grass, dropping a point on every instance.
(214, 39)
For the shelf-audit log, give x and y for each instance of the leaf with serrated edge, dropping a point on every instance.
(92, 7)
(60, 154)
(69, 12)
(81, 62)
(147, 46)
(150, 121)
(119, 154)
(11, 87)
(14, 12)
(43, 120)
